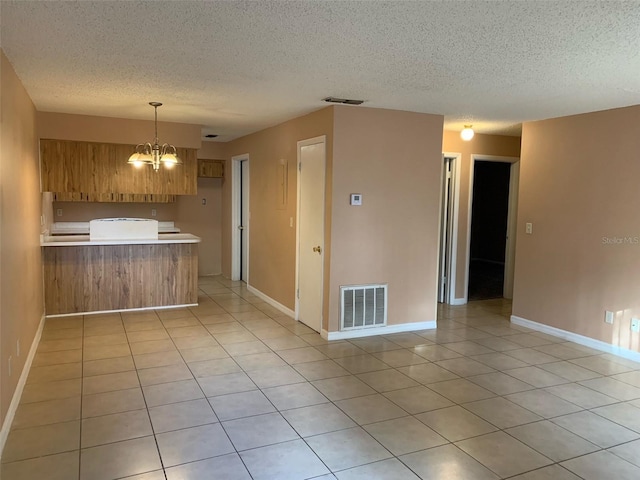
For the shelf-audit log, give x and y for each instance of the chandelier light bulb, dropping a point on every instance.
(467, 133)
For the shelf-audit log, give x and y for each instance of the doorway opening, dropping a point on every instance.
(240, 214)
(493, 205)
(448, 229)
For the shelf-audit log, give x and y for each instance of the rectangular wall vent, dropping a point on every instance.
(363, 306)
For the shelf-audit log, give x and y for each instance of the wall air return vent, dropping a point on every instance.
(363, 306)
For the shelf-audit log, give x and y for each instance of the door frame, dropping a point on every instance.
(299, 145)
(452, 237)
(512, 212)
(236, 205)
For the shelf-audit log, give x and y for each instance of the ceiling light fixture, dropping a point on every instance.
(467, 133)
(343, 100)
(156, 154)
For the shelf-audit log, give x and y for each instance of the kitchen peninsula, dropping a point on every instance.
(122, 264)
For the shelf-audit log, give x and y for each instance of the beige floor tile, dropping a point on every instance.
(340, 388)
(387, 380)
(239, 405)
(113, 339)
(375, 344)
(110, 382)
(219, 366)
(602, 365)
(192, 444)
(552, 441)
(152, 346)
(515, 457)
(320, 370)
(143, 336)
(106, 351)
(112, 402)
(552, 472)
(225, 384)
(370, 409)
(361, 363)
(258, 361)
(347, 448)
(632, 378)
(108, 329)
(531, 356)
(582, 396)
(283, 342)
(158, 359)
(417, 399)
(613, 388)
(246, 348)
(468, 348)
(173, 392)
(115, 428)
(340, 349)
(271, 333)
(628, 451)
(143, 326)
(499, 361)
(194, 342)
(446, 462)
(434, 353)
(63, 466)
(400, 358)
(56, 358)
(201, 354)
(501, 412)
(259, 431)
(407, 340)
(599, 465)
(215, 318)
(192, 331)
(229, 467)
(296, 395)
(292, 459)
(596, 429)
(543, 403)
(43, 440)
(176, 416)
(563, 351)
(276, 376)
(47, 412)
(391, 469)
(461, 390)
(427, 373)
(570, 371)
(57, 334)
(41, 392)
(171, 373)
(537, 377)
(52, 373)
(226, 327)
(404, 435)
(301, 355)
(59, 345)
(109, 365)
(455, 423)
(121, 459)
(500, 383)
(234, 337)
(63, 322)
(317, 419)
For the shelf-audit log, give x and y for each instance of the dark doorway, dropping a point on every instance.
(489, 215)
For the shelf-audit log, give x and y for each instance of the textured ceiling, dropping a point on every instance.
(236, 67)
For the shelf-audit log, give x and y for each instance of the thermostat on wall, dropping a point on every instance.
(356, 199)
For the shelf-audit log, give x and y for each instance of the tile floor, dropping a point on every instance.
(232, 389)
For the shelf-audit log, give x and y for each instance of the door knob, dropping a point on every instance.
(318, 249)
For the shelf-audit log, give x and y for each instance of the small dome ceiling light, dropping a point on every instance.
(467, 133)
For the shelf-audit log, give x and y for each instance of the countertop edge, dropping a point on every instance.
(83, 240)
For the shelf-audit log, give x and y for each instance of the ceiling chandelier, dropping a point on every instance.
(156, 154)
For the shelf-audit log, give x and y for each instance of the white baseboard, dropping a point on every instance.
(386, 330)
(577, 338)
(123, 310)
(271, 301)
(15, 401)
(459, 301)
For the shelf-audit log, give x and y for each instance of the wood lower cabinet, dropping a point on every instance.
(210, 168)
(99, 172)
(96, 278)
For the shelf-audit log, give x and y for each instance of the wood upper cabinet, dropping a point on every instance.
(210, 168)
(99, 172)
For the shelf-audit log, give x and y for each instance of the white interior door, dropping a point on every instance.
(244, 221)
(445, 230)
(311, 181)
(510, 253)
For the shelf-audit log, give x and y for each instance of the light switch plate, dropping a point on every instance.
(528, 228)
(608, 317)
(635, 325)
(356, 199)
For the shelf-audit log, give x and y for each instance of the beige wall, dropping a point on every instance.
(494, 145)
(88, 128)
(578, 186)
(272, 241)
(205, 221)
(21, 298)
(393, 159)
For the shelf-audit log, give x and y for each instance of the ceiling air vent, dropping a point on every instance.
(343, 100)
(210, 135)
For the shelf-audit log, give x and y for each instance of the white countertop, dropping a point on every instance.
(81, 228)
(83, 240)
